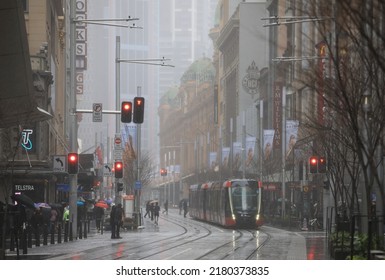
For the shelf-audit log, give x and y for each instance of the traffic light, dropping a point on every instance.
(126, 112)
(119, 187)
(163, 172)
(118, 167)
(313, 164)
(322, 165)
(326, 185)
(73, 163)
(138, 109)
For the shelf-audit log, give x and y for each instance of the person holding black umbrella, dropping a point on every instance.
(37, 222)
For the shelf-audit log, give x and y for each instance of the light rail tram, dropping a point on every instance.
(233, 203)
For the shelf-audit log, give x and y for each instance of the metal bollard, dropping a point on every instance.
(80, 228)
(24, 240)
(29, 236)
(12, 242)
(66, 230)
(59, 233)
(45, 235)
(70, 232)
(37, 237)
(85, 229)
(53, 234)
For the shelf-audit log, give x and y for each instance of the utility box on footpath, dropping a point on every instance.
(128, 208)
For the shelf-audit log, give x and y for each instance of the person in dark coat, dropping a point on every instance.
(152, 206)
(98, 214)
(180, 206)
(148, 209)
(118, 220)
(185, 210)
(37, 222)
(112, 221)
(156, 212)
(165, 205)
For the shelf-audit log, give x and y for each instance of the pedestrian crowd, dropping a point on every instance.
(153, 209)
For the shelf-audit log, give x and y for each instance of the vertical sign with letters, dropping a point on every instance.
(81, 44)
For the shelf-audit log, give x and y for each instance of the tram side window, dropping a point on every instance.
(237, 196)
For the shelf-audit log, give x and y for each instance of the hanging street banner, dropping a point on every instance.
(291, 135)
(268, 138)
(237, 156)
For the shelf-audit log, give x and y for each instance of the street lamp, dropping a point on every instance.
(118, 60)
(285, 20)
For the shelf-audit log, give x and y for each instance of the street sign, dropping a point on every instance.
(138, 185)
(118, 151)
(107, 170)
(97, 112)
(118, 140)
(59, 164)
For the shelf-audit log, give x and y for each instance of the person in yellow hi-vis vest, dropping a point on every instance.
(66, 219)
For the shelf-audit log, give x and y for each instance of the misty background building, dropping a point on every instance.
(175, 30)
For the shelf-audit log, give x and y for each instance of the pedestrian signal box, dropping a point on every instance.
(118, 167)
(73, 163)
(126, 112)
(138, 109)
(313, 164)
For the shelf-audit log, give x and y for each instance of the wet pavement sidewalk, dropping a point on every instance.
(302, 245)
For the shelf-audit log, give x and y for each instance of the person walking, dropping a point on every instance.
(118, 220)
(156, 213)
(112, 221)
(148, 209)
(152, 206)
(185, 210)
(165, 205)
(180, 206)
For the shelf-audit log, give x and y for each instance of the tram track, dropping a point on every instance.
(172, 243)
(186, 239)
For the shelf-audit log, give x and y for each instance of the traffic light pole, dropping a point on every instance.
(73, 178)
(138, 154)
(283, 139)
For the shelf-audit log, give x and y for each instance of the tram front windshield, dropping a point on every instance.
(245, 195)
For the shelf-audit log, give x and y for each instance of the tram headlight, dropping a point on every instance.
(257, 217)
(233, 216)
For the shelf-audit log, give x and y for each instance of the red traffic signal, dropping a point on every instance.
(126, 112)
(313, 164)
(138, 109)
(73, 163)
(163, 172)
(322, 165)
(118, 167)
